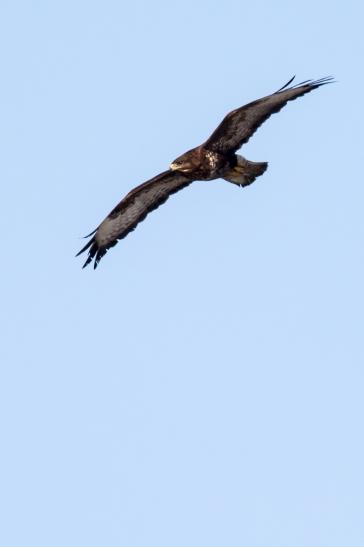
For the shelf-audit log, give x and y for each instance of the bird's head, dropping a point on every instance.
(185, 163)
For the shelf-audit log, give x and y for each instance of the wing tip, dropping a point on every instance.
(95, 252)
(312, 84)
(88, 244)
(286, 85)
(321, 81)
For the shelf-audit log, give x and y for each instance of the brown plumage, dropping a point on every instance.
(215, 158)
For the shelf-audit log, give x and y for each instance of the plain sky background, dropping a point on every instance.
(204, 387)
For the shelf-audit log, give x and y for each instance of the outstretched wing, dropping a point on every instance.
(240, 124)
(131, 210)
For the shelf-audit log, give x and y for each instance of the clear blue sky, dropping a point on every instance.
(204, 387)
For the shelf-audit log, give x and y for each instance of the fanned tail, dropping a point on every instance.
(245, 172)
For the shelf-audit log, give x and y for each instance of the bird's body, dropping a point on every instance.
(204, 164)
(215, 158)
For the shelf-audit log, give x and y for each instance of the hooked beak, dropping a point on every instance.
(180, 167)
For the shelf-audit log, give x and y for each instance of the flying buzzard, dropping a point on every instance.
(215, 158)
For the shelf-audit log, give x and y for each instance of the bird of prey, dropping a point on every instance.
(215, 158)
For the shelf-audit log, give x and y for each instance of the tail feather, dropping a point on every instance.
(245, 172)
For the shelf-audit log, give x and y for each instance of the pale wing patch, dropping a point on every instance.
(114, 226)
(109, 230)
(130, 211)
